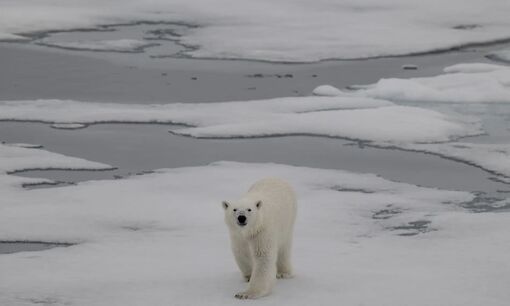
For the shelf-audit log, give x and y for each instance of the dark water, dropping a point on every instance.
(36, 72)
(9, 247)
(135, 148)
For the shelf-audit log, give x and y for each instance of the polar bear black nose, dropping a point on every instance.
(241, 219)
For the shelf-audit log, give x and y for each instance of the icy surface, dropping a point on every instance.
(346, 117)
(283, 30)
(476, 84)
(463, 83)
(327, 91)
(68, 126)
(155, 240)
(19, 157)
(118, 45)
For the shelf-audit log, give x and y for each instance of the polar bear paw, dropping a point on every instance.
(284, 275)
(248, 295)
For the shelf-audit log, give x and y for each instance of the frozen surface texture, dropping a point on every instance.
(327, 91)
(154, 239)
(463, 88)
(282, 30)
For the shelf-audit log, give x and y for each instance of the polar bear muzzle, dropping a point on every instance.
(241, 220)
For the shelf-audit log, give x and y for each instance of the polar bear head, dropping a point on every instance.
(243, 215)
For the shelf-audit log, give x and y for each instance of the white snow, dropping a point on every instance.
(116, 45)
(463, 83)
(346, 117)
(500, 55)
(157, 239)
(68, 126)
(283, 30)
(327, 91)
(474, 68)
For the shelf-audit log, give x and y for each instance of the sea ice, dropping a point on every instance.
(19, 157)
(154, 239)
(282, 30)
(345, 117)
(463, 83)
(327, 91)
(476, 84)
(68, 126)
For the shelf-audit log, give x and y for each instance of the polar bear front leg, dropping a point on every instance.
(283, 265)
(243, 258)
(263, 275)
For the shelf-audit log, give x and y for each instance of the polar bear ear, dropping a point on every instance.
(258, 204)
(225, 204)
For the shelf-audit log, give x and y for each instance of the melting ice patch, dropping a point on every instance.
(346, 117)
(282, 30)
(154, 240)
(501, 55)
(19, 157)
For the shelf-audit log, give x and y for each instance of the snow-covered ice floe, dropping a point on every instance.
(68, 126)
(346, 117)
(327, 91)
(282, 30)
(22, 157)
(462, 83)
(155, 240)
(117, 45)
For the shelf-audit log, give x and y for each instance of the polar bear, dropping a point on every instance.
(261, 224)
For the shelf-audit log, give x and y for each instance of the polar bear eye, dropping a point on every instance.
(235, 209)
(249, 209)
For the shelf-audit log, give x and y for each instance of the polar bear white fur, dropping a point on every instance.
(261, 225)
